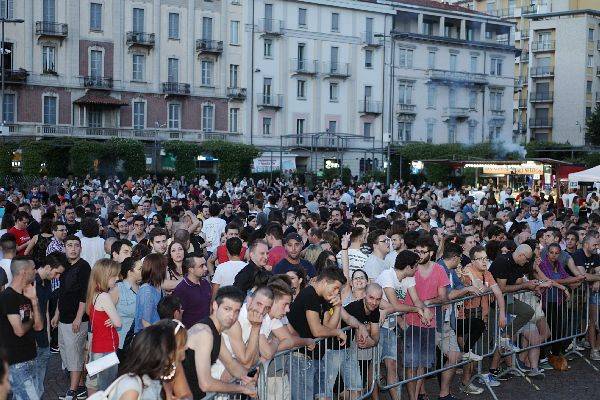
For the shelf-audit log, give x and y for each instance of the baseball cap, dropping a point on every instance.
(293, 236)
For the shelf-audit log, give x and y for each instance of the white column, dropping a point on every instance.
(482, 32)
(420, 23)
(463, 29)
(442, 31)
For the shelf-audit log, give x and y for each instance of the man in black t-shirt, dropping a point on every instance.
(70, 315)
(19, 313)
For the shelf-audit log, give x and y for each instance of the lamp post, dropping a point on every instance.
(391, 103)
(156, 147)
(4, 20)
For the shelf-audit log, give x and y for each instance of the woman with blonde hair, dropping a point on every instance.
(312, 252)
(104, 319)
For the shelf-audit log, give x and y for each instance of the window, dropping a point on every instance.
(173, 70)
(474, 64)
(173, 26)
(95, 16)
(496, 101)
(451, 133)
(471, 134)
(138, 20)
(591, 34)
(234, 33)
(406, 58)
(207, 28)
(233, 75)
(588, 112)
(9, 108)
(139, 115)
(7, 8)
(300, 123)
(48, 59)
(96, 64)
(431, 96)
(405, 131)
(139, 66)
(334, 57)
(208, 117)
(174, 115)
(431, 60)
(470, 34)
(301, 89)
(452, 97)
(590, 61)
(430, 127)
(49, 110)
(267, 86)
(335, 22)
(368, 58)
(266, 125)
(302, 18)
(233, 119)
(333, 91)
(453, 61)
(367, 129)
(496, 66)
(48, 10)
(472, 99)
(427, 28)
(332, 126)
(95, 118)
(588, 87)
(268, 48)
(368, 92)
(405, 93)
(206, 76)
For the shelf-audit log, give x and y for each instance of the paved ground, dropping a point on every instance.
(580, 382)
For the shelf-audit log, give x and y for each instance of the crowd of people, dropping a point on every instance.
(174, 289)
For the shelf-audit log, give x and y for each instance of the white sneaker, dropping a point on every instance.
(471, 389)
(508, 344)
(471, 356)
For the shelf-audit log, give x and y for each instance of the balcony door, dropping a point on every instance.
(267, 90)
(138, 20)
(207, 28)
(49, 11)
(96, 64)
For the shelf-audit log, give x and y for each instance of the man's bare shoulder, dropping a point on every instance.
(199, 334)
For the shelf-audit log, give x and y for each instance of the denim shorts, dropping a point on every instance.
(344, 362)
(419, 347)
(388, 345)
(594, 298)
(22, 378)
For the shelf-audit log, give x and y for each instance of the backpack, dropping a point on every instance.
(109, 392)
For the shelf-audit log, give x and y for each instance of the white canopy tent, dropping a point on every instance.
(589, 175)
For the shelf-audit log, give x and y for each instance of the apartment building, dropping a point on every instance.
(547, 108)
(321, 82)
(453, 75)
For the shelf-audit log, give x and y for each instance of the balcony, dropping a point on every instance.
(504, 12)
(370, 39)
(304, 67)
(404, 109)
(51, 29)
(540, 122)
(140, 39)
(522, 103)
(537, 47)
(370, 107)
(176, 88)
(207, 46)
(97, 82)
(15, 75)
(520, 127)
(519, 82)
(497, 113)
(270, 27)
(598, 71)
(457, 77)
(272, 101)
(524, 57)
(236, 93)
(541, 97)
(532, 9)
(337, 70)
(524, 35)
(542, 72)
(456, 113)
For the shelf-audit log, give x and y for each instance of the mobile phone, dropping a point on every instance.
(252, 372)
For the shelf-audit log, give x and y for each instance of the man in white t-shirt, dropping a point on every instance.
(397, 284)
(282, 298)
(213, 228)
(9, 251)
(380, 244)
(356, 257)
(397, 246)
(226, 272)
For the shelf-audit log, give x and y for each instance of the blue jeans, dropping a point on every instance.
(23, 381)
(41, 362)
(345, 362)
(301, 371)
(388, 344)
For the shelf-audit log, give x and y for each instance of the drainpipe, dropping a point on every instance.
(251, 77)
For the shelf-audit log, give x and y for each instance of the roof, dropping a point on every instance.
(441, 6)
(100, 99)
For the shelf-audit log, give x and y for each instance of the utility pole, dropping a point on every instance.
(4, 20)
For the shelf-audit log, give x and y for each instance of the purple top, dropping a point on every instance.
(195, 300)
(553, 294)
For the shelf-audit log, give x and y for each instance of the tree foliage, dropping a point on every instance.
(592, 129)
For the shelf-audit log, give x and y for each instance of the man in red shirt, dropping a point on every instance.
(274, 237)
(231, 230)
(19, 231)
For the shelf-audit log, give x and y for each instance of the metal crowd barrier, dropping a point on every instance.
(329, 370)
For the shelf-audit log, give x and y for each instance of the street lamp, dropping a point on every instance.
(391, 103)
(156, 147)
(4, 20)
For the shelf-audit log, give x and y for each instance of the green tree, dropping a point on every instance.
(592, 129)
